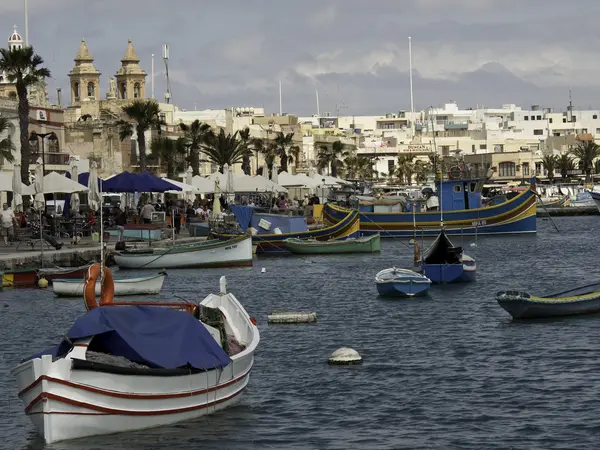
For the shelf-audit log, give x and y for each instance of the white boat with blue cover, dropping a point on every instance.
(128, 366)
(397, 282)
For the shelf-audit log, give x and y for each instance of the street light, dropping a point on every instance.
(33, 138)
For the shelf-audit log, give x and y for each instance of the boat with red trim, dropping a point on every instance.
(130, 366)
(464, 212)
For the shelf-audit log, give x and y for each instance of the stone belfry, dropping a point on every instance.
(85, 78)
(131, 79)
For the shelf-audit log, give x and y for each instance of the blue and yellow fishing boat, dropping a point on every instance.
(565, 200)
(347, 226)
(463, 213)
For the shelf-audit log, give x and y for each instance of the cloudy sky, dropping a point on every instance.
(355, 53)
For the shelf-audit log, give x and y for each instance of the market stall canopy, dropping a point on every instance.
(258, 183)
(54, 183)
(6, 183)
(204, 185)
(326, 180)
(286, 179)
(184, 186)
(143, 182)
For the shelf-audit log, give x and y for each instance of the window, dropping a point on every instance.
(597, 130)
(507, 169)
(123, 91)
(91, 90)
(550, 120)
(1, 79)
(538, 132)
(539, 117)
(473, 148)
(574, 119)
(564, 120)
(473, 187)
(526, 117)
(482, 146)
(445, 150)
(525, 169)
(457, 188)
(76, 90)
(538, 167)
(532, 117)
(390, 166)
(498, 148)
(584, 130)
(136, 90)
(595, 116)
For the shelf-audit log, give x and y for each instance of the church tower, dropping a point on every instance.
(85, 78)
(131, 79)
(8, 89)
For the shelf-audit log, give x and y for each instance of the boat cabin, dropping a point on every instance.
(460, 194)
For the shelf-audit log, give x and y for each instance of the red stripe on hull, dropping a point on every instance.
(108, 393)
(121, 412)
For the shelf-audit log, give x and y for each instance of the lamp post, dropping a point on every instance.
(33, 138)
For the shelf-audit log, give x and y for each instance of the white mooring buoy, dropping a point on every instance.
(263, 270)
(345, 356)
(291, 317)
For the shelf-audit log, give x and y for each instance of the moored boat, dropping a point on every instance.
(30, 277)
(463, 213)
(129, 286)
(198, 229)
(442, 262)
(213, 253)
(367, 244)
(397, 282)
(522, 305)
(596, 198)
(124, 367)
(346, 226)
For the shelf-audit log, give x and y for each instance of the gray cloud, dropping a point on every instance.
(354, 52)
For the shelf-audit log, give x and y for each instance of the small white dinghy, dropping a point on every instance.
(129, 286)
(131, 366)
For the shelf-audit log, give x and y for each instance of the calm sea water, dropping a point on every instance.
(442, 372)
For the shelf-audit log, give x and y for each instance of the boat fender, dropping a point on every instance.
(417, 256)
(107, 291)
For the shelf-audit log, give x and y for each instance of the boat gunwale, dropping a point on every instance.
(186, 248)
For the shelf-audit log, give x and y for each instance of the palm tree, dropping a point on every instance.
(195, 135)
(422, 169)
(258, 146)
(6, 145)
(564, 163)
(358, 167)
(24, 68)
(550, 163)
(284, 147)
(331, 156)
(223, 149)
(405, 168)
(246, 142)
(171, 152)
(142, 115)
(586, 152)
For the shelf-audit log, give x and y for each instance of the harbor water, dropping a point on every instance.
(446, 371)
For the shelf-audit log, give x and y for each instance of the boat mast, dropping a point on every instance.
(441, 189)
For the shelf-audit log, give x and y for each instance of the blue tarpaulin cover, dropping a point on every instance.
(243, 215)
(154, 336)
(131, 182)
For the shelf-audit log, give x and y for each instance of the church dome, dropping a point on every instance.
(15, 38)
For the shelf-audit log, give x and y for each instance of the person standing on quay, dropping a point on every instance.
(8, 221)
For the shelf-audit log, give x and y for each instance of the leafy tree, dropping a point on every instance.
(223, 149)
(564, 163)
(285, 149)
(586, 152)
(141, 116)
(24, 68)
(7, 148)
(550, 163)
(194, 136)
(332, 156)
(171, 153)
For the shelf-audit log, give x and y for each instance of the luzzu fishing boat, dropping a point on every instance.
(271, 230)
(131, 366)
(522, 305)
(563, 201)
(463, 213)
(596, 198)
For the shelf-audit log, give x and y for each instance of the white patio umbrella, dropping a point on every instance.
(216, 211)
(38, 187)
(229, 185)
(265, 171)
(188, 180)
(203, 185)
(55, 183)
(274, 174)
(75, 202)
(17, 202)
(94, 196)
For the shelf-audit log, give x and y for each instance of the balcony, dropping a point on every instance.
(51, 158)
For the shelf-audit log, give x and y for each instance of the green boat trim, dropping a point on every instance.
(184, 248)
(369, 244)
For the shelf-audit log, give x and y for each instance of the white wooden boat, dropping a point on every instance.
(131, 286)
(190, 365)
(212, 253)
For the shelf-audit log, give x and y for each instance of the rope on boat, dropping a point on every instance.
(544, 206)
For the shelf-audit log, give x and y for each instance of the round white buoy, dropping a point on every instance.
(345, 356)
(263, 270)
(43, 283)
(412, 242)
(473, 244)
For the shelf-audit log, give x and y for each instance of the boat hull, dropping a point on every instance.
(517, 215)
(198, 229)
(371, 244)
(596, 199)
(346, 226)
(232, 253)
(448, 273)
(70, 397)
(528, 307)
(29, 278)
(403, 289)
(134, 286)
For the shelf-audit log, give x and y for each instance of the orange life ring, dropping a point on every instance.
(417, 256)
(107, 291)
